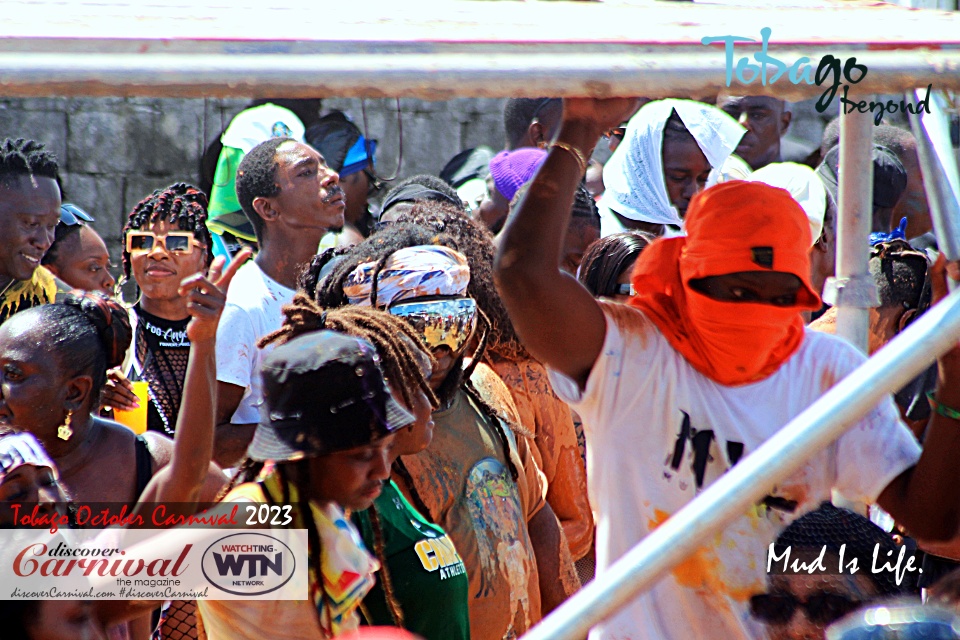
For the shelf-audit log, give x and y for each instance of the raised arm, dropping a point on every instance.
(181, 481)
(557, 320)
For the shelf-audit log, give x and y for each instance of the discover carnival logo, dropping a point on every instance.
(248, 564)
(831, 73)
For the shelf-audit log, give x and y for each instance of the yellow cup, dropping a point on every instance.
(136, 420)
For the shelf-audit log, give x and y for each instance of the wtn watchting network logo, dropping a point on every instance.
(830, 74)
(248, 564)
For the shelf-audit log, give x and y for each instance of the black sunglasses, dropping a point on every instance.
(822, 609)
(71, 214)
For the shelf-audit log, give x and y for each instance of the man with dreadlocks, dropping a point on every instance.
(292, 199)
(29, 213)
(541, 411)
(422, 583)
(476, 479)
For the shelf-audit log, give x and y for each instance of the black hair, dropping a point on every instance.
(179, 203)
(604, 260)
(14, 616)
(675, 129)
(23, 157)
(257, 178)
(426, 180)
(62, 233)
(830, 137)
(900, 273)
(829, 527)
(518, 114)
(475, 241)
(87, 332)
(898, 140)
(585, 207)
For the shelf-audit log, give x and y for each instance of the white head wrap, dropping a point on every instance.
(633, 177)
(803, 184)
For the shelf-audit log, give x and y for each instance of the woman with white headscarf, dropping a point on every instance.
(667, 154)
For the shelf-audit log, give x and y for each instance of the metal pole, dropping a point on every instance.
(904, 357)
(373, 70)
(940, 174)
(853, 290)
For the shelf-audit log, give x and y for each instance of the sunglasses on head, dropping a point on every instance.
(821, 609)
(448, 322)
(71, 214)
(173, 241)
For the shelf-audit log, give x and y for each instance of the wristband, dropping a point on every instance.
(942, 409)
(576, 153)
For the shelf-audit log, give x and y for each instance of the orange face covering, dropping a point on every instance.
(732, 227)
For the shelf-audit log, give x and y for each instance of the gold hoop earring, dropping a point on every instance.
(64, 431)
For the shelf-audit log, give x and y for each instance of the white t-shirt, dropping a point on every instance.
(658, 432)
(252, 311)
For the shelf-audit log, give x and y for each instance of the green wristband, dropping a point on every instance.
(942, 409)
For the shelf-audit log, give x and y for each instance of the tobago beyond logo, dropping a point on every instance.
(248, 564)
(830, 74)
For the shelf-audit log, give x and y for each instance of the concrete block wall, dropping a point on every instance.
(115, 151)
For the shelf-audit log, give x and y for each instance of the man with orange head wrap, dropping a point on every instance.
(707, 361)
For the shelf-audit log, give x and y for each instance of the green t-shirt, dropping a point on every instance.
(429, 578)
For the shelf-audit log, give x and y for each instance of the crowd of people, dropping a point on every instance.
(478, 390)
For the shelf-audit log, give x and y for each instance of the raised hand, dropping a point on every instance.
(605, 113)
(206, 296)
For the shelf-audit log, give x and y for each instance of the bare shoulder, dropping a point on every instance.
(160, 448)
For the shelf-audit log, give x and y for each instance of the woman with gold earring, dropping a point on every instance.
(53, 364)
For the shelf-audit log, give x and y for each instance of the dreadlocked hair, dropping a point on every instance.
(179, 204)
(475, 242)
(317, 269)
(386, 332)
(379, 546)
(248, 471)
(23, 157)
(314, 545)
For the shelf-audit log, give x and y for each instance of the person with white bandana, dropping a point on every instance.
(668, 153)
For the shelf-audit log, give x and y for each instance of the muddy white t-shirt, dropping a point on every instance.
(253, 309)
(658, 432)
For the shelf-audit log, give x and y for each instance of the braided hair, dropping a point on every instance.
(181, 204)
(23, 157)
(829, 527)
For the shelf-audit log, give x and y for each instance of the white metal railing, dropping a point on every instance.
(751, 478)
